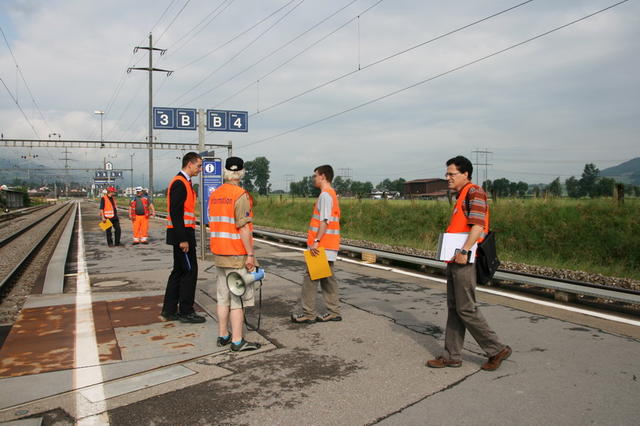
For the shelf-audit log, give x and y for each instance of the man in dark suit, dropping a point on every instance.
(181, 226)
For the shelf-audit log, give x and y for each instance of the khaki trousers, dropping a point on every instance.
(329, 288)
(464, 315)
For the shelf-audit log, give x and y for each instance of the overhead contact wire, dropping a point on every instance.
(450, 71)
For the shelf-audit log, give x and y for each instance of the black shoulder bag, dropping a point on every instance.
(487, 261)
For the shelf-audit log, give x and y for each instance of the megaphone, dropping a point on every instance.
(237, 281)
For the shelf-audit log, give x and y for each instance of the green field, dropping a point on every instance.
(596, 236)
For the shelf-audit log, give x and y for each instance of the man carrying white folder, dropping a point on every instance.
(471, 217)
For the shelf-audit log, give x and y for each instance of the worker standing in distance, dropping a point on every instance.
(231, 242)
(470, 215)
(140, 209)
(324, 231)
(179, 296)
(109, 210)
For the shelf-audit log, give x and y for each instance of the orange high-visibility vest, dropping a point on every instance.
(132, 207)
(331, 238)
(224, 236)
(109, 212)
(459, 221)
(189, 204)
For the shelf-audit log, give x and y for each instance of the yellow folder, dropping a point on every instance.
(105, 225)
(318, 265)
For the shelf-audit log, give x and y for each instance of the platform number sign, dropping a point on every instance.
(185, 119)
(217, 120)
(238, 121)
(164, 118)
(227, 121)
(174, 118)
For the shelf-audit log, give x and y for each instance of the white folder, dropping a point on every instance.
(448, 243)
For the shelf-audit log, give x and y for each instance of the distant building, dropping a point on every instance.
(431, 189)
(11, 199)
(379, 195)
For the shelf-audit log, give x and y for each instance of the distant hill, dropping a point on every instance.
(627, 172)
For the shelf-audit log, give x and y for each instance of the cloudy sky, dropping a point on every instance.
(324, 82)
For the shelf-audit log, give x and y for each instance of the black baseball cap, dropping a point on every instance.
(234, 164)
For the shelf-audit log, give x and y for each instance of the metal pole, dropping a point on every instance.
(203, 208)
(131, 157)
(151, 192)
(230, 149)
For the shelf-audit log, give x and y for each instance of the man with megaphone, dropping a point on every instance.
(231, 242)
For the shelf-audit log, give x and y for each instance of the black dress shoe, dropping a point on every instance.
(192, 318)
(169, 317)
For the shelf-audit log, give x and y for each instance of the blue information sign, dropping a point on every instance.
(238, 121)
(164, 118)
(211, 180)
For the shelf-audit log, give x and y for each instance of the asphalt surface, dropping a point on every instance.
(566, 368)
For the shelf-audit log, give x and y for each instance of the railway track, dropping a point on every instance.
(5, 217)
(21, 241)
(562, 290)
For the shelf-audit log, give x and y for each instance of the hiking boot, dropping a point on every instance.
(168, 316)
(224, 341)
(442, 362)
(302, 319)
(494, 361)
(192, 318)
(245, 346)
(328, 317)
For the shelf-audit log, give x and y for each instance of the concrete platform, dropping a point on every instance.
(566, 368)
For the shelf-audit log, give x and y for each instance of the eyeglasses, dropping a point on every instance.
(447, 175)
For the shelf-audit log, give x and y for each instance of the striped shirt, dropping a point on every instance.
(477, 203)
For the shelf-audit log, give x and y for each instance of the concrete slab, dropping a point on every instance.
(132, 384)
(26, 422)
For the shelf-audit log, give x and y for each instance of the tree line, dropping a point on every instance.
(590, 184)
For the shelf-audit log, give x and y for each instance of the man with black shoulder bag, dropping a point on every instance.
(463, 314)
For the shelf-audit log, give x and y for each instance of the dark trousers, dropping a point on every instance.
(116, 227)
(181, 285)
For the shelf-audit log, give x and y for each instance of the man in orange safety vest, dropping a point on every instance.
(470, 216)
(324, 231)
(140, 209)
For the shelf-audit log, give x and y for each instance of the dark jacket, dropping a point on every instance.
(179, 233)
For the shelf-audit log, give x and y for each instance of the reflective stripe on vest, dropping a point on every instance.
(224, 237)
(331, 238)
(189, 207)
(109, 212)
(459, 221)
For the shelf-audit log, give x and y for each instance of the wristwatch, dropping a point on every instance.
(464, 252)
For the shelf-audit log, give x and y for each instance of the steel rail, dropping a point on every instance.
(36, 245)
(24, 229)
(562, 285)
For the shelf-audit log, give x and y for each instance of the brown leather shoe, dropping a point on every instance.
(442, 362)
(494, 362)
